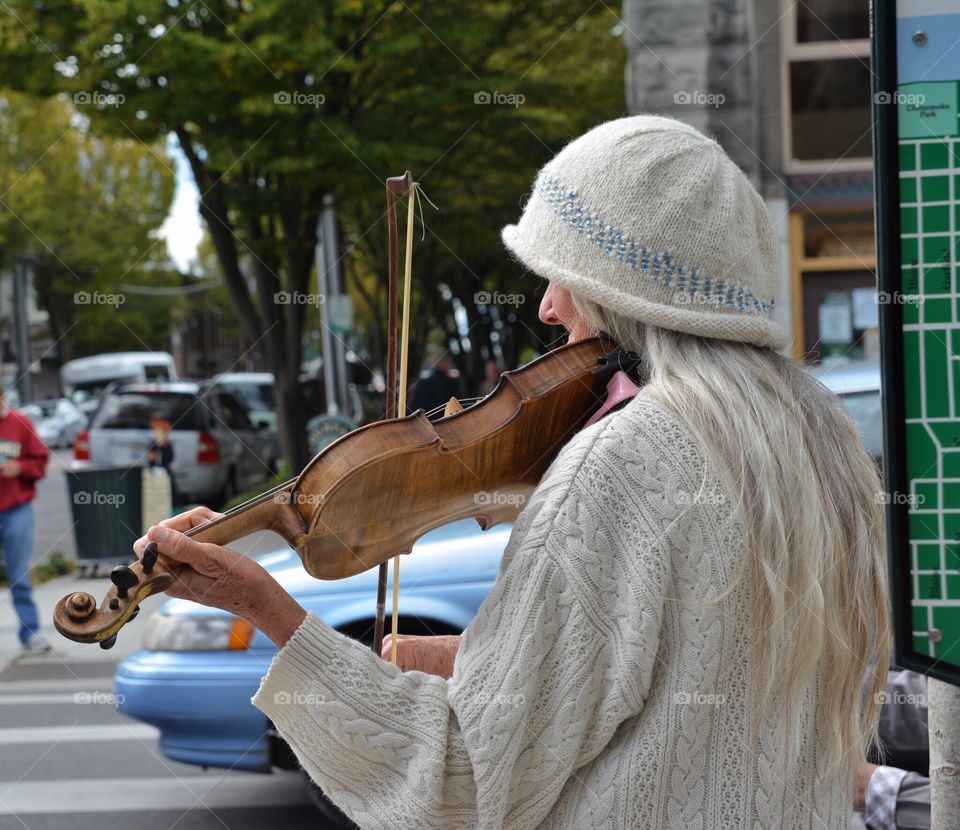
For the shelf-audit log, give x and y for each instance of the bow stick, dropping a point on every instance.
(397, 186)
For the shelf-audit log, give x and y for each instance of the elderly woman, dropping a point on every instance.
(689, 628)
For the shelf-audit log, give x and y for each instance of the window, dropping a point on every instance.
(234, 415)
(826, 88)
(134, 410)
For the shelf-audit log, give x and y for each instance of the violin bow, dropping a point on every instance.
(397, 187)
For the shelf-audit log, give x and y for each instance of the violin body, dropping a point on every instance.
(373, 493)
(387, 484)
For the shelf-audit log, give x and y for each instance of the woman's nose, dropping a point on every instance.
(546, 313)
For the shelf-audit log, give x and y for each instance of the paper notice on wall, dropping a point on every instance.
(865, 309)
(836, 319)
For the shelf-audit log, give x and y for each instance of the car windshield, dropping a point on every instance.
(866, 411)
(135, 410)
(43, 409)
(254, 395)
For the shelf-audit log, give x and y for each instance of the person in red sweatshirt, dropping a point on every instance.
(23, 461)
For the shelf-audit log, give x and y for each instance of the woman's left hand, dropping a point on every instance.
(222, 578)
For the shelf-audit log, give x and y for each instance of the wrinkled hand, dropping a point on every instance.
(10, 469)
(222, 578)
(433, 655)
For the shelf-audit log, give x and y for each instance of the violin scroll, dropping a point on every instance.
(77, 616)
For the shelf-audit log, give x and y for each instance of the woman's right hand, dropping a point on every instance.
(433, 654)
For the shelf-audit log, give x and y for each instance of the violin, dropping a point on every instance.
(374, 492)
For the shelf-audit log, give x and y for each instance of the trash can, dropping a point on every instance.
(107, 507)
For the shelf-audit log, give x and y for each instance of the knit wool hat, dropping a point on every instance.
(648, 217)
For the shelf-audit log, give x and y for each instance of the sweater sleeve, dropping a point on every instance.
(33, 455)
(543, 678)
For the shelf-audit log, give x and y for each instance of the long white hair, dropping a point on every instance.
(808, 496)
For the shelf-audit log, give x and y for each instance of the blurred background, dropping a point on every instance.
(193, 278)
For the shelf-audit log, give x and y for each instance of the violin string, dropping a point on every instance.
(416, 192)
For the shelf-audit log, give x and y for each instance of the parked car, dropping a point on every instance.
(58, 421)
(255, 389)
(858, 385)
(217, 451)
(85, 379)
(200, 666)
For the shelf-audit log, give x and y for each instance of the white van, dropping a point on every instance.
(84, 379)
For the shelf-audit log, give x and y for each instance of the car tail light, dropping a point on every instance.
(81, 446)
(208, 451)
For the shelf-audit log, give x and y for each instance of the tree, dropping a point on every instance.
(83, 213)
(278, 103)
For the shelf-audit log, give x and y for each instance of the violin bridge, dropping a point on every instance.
(452, 407)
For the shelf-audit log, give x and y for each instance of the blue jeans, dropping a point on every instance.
(16, 540)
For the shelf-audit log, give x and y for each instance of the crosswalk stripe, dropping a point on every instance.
(46, 698)
(69, 684)
(69, 734)
(109, 795)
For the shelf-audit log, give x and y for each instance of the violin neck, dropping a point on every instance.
(271, 511)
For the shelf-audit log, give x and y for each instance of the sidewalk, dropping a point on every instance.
(46, 597)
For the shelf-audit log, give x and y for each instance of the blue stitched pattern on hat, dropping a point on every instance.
(659, 267)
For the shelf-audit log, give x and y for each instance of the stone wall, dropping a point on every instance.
(715, 65)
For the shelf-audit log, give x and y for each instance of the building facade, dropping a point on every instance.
(784, 87)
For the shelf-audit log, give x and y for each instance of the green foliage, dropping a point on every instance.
(282, 475)
(54, 565)
(280, 102)
(84, 211)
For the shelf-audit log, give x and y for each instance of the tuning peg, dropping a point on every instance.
(150, 554)
(109, 643)
(124, 579)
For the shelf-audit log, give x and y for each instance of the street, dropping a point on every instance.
(69, 759)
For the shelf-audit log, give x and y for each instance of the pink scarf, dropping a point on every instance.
(619, 389)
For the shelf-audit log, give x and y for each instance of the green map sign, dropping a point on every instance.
(917, 178)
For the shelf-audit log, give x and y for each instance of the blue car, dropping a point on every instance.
(200, 666)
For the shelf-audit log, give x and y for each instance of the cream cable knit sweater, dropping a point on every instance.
(596, 688)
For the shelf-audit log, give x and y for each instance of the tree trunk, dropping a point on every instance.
(944, 728)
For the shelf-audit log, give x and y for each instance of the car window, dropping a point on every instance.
(866, 411)
(134, 410)
(232, 412)
(154, 372)
(254, 395)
